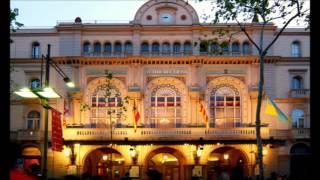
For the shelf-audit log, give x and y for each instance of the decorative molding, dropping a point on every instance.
(241, 78)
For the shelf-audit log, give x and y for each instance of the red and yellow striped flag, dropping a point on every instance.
(204, 115)
(136, 116)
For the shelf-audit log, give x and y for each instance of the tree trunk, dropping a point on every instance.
(258, 121)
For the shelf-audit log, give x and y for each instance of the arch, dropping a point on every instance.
(187, 48)
(117, 48)
(235, 48)
(163, 81)
(300, 161)
(176, 49)
(139, 14)
(168, 150)
(92, 161)
(107, 48)
(97, 48)
(233, 82)
(155, 48)
(230, 159)
(145, 48)
(166, 48)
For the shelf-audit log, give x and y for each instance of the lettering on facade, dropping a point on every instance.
(118, 71)
(165, 71)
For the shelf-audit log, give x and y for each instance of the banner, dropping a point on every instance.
(56, 136)
(136, 116)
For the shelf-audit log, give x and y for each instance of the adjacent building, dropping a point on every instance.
(163, 62)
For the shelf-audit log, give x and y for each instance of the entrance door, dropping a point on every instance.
(171, 172)
(167, 165)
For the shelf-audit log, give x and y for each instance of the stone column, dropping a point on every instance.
(76, 98)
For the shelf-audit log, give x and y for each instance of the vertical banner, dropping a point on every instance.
(136, 116)
(56, 136)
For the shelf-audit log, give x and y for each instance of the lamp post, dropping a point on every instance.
(45, 94)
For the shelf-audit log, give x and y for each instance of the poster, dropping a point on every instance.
(197, 171)
(134, 171)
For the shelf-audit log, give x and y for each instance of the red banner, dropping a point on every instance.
(56, 136)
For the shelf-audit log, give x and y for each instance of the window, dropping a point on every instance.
(176, 48)
(117, 48)
(214, 47)
(225, 48)
(235, 48)
(155, 48)
(128, 48)
(33, 120)
(165, 107)
(296, 49)
(166, 48)
(225, 107)
(35, 50)
(297, 82)
(246, 48)
(100, 105)
(145, 48)
(187, 48)
(204, 47)
(107, 49)
(97, 49)
(297, 118)
(35, 84)
(86, 48)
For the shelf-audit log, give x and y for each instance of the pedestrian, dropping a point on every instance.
(126, 176)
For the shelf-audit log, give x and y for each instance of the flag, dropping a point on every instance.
(56, 136)
(136, 115)
(204, 115)
(274, 110)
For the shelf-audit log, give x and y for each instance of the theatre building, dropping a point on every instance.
(162, 61)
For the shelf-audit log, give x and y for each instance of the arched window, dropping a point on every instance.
(165, 107)
(107, 50)
(246, 48)
(225, 107)
(235, 48)
(166, 48)
(214, 48)
(204, 47)
(145, 48)
(35, 83)
(101, 104)
(187, 48)
(297, 82)
(128, 50)
(117, 49)
(35, 50)
(297, 118)
(155, 48)
(97, 49)
(33, 120)
(86, 48)
(176, 48)
(296, 49)
(225, 48)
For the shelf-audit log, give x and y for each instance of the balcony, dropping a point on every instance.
(28, 135)
(299, 93)
(167, 134)
(295, 133)
(300, 133)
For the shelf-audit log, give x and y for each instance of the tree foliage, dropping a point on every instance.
(14, 24)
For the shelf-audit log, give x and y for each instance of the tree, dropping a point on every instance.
(263, 12)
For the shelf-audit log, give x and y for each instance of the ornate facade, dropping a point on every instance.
(159, 61)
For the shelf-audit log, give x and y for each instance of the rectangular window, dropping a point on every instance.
(153, 101)
(170, 101)
(160, 101)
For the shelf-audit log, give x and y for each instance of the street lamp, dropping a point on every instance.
(45, 94)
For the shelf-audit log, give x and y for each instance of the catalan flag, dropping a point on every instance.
(136, 116)
(274, 110)
(204, 115)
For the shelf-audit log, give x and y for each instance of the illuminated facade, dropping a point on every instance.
(160, 62)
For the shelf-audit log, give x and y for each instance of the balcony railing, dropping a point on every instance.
(301, 133)
(167, 134)
(299, 93)
(32, 135)
(295, 133)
